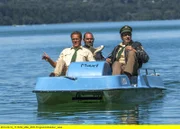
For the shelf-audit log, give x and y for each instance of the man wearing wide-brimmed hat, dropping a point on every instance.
(128, 56)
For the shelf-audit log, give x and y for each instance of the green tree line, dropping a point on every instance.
(19, 12)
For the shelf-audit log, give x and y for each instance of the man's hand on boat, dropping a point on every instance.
(52, 74)
(108, 60)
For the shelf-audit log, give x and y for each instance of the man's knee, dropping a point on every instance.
(116, 64)
(116, 68)
(60, 68)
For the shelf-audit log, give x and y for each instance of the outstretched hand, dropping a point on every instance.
(45, 56)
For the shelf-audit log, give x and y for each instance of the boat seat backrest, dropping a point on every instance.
(93, 68)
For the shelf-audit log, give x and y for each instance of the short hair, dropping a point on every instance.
(88, 33)
(78, 33)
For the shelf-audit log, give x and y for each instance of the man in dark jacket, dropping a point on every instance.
(128, 56)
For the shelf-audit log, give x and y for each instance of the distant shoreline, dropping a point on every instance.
(125, 22)
(33, 12)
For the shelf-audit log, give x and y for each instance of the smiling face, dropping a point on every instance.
(126, 37)
(76, 40)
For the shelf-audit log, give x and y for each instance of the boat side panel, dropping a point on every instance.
(155, 81)
(82, 83)
(109, 96)
(150, 81)
(132, 95)
(55, 98)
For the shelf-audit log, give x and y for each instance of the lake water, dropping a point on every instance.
(21, 48)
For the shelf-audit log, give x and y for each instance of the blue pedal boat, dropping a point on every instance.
(94, 82)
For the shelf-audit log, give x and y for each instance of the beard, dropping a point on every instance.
(89, 44)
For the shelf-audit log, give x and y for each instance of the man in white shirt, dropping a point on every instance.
(76, 53)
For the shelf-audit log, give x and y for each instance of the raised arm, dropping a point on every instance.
(46, 57)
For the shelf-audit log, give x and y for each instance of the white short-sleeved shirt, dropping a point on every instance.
(83, 54)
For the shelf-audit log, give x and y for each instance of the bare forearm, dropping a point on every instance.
(53, 63)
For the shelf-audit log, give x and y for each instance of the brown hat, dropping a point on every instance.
(125, 29)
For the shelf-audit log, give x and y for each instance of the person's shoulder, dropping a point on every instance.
(66, 50)
(85, 49)
(137, 43)
(117, 46)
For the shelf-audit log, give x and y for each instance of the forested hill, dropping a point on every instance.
(18, 12)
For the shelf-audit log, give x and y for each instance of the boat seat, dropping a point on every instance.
(93, 68)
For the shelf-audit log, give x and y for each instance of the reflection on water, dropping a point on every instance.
(90, 113)
(94, 113)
